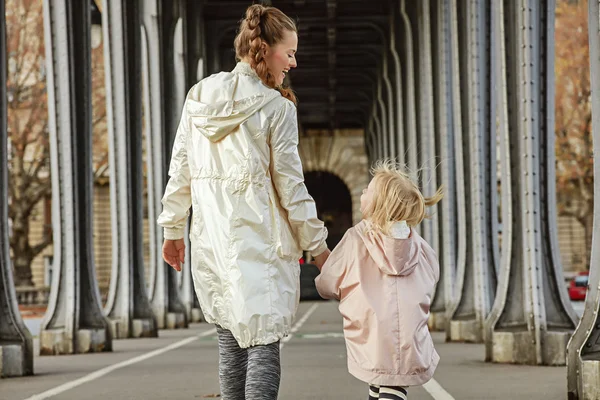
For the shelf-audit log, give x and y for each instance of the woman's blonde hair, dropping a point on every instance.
(263, 24)
(397, 197)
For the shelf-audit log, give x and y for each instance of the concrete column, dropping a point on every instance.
(16, 346)
(583, 356)
(532, 319)
(74, 322)
(157, 20)
(128, 307)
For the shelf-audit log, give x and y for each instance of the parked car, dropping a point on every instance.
(578, 286)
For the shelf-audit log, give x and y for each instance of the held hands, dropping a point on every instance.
(173, 253)
(321, 258)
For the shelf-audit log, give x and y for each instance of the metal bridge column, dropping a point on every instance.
(408, 80)
(158, 24)
(74, 322)
(476, 276)
(532, 318)
(128, 306)
(16, 345)
(446, 176)
(583, 355)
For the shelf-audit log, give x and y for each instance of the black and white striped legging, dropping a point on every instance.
(387, 392)
(247, 374)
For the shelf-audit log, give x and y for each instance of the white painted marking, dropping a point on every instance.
(320, 335)
(298, 325)
(437, 391)
(106, 370)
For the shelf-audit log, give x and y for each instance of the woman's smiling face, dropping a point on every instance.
(282, 57)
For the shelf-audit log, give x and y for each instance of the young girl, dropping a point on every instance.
(384, 275)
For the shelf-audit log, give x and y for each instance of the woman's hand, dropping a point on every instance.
(322, 258)
(173, 253)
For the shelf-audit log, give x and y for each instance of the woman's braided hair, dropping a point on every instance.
(263, 25)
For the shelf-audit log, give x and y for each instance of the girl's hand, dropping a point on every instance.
(173, 253)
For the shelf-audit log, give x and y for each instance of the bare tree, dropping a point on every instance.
(29, 155)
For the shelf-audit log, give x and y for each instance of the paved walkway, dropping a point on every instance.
(181, 364)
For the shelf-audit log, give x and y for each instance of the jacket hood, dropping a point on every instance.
(220, 115)
(393, 256)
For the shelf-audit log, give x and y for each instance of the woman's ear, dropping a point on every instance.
(264, 48)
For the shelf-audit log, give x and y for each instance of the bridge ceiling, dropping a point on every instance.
(339, 54)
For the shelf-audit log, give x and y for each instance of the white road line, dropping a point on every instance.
(298, 325)
(437, 391)
(106, 370)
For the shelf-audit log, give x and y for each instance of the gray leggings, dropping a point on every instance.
(247, 374)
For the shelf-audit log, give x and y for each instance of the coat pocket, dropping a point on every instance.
(283, 237)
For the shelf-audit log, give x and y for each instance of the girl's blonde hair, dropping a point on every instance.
(397, 197)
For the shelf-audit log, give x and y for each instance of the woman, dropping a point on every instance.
(235, 161)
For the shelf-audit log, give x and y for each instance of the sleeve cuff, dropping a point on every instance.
(174, 233)
(319, 250)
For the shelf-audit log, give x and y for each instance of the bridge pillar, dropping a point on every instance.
(583, 355)
(377, 141)
(409, 88)
(476, 277)
(383, 118)
(193, 54)
(158, 22)
(397, 140)
(16, 346)
(128, 307)
(390, 137)
(74, 322)
(426, 111)
(532, 319)
(445, 214)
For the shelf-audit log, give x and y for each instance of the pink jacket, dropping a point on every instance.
(385, 287)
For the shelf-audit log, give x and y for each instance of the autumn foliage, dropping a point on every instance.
(573, 119)
(28, 130)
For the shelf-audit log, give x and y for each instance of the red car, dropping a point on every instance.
(578, 286)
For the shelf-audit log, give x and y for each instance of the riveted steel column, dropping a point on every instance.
(16, 345)
(195, 50)
(476, 277)
(383, 136)
(444, 143)
(408, 80)
(74, 322)
(532, 319)
(426, 141)
(158, 24)
(186, 286)
(583, 359)
(128, 306)
(397, 75)
(378, 131)
(390, 139)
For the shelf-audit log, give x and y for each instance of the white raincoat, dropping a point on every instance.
(235, 161)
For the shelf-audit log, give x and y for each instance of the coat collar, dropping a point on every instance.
(245, 69)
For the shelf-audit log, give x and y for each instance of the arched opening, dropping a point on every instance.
(334, 207)
(334, 203)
